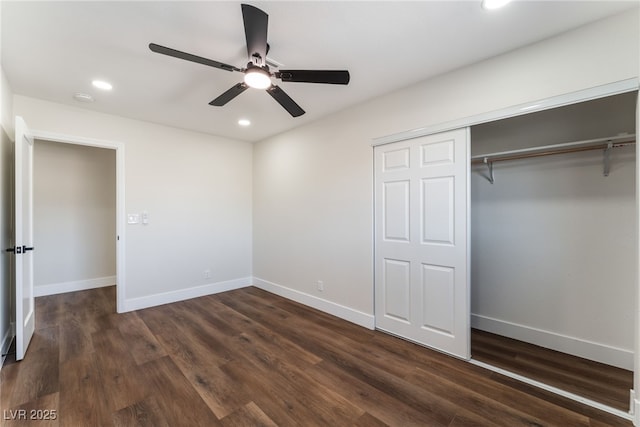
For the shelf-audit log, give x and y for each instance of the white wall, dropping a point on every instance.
(553, 245)
(6, 207)
(312, 214)
(196, 189)
(74, 217)
(6, 107)
(313, 185)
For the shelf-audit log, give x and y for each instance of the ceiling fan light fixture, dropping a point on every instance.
(257, 78)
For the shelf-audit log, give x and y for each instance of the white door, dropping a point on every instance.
(421, 243)
(25, 304)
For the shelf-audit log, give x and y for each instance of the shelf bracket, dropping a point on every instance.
(489, 164)
(606, 158)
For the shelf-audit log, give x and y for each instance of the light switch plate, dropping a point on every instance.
(133, 218)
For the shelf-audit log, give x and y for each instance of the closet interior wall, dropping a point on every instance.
(552, 239)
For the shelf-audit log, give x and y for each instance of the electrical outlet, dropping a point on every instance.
(320, 285)
(207, 274)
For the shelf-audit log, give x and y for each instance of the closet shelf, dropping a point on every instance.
(605, 144)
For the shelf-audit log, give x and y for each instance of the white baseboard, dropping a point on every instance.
(184, 294)
(78, 285)
(354, 316)
(636, 412)
(603, 353)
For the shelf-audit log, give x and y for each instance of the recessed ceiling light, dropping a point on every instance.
(494, 4)
(101, 84)
(82, 97)
(244, 122)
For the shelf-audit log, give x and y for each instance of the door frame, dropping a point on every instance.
(610, 89)
(120, 200)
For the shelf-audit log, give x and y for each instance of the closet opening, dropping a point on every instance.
(553, 247)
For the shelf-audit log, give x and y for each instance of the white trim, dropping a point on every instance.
(636, 412)
(552, 389)
(185, 294)
(77, 285)
(72, 139)
(610, 89)
(120, 200)
(603, 353)
(346, 313)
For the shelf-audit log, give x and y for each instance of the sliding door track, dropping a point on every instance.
(555, 390)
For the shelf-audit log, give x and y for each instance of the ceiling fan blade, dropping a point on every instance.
(335, 77)
(189, 57)
(255, 29)
(229, 95)
(286, 101)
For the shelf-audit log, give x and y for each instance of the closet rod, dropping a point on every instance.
(546, 150)
(605, 144)
(600, 146)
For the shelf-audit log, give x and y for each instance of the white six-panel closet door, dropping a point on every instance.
(421, 240)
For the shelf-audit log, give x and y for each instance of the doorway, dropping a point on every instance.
(553, 247)
(24, 299)
(74, 191)
(119, 237)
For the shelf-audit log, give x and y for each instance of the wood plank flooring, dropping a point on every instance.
(250, 358)
(596, 381)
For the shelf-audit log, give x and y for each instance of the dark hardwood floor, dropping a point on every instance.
(596, 381)
(250, 358)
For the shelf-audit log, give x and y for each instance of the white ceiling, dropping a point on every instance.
(53, 49)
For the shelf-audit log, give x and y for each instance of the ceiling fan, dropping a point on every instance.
(257, 74)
